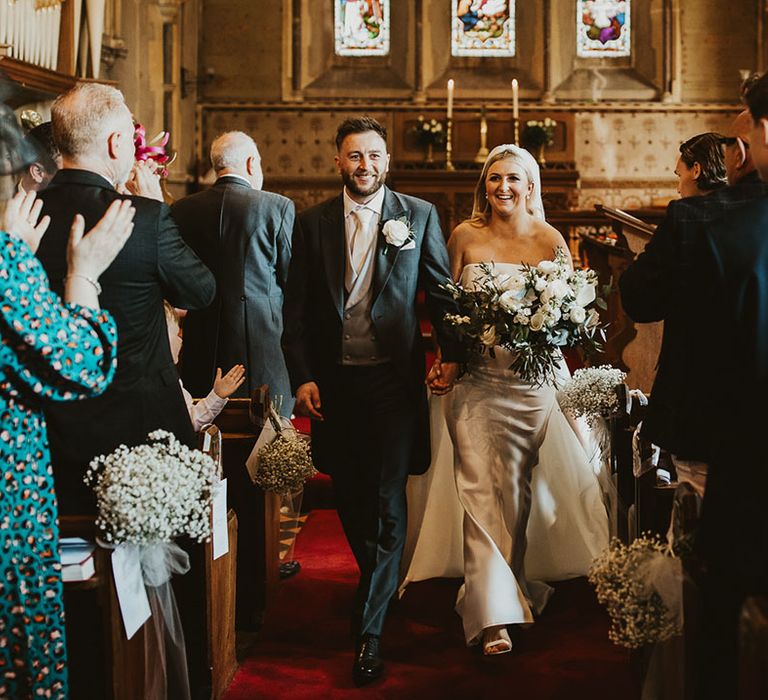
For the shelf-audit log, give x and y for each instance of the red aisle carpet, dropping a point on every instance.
(305, 651)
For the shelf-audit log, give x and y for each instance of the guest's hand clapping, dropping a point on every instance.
(227, 385)
(88, 256)
(21, 219)
(144, 182)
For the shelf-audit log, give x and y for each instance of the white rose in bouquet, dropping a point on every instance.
(514, 283)
(586, 294)
(593, 318)
(557, 289)
(547, 266)
(510, 301)
(396, 232)
(537, 321)
(577, 314)
(540, 284)
(553, 316)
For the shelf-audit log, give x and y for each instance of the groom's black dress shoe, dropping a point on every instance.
(368, 665)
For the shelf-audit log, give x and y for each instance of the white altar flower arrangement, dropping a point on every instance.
(532, 313)
(284, 462)
(153, 493)
(640, 584)
(592, 392)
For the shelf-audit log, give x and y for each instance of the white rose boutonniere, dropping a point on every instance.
(398, 232)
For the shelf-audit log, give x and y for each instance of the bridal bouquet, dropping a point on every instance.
(532, 313)
(641, 587)
(154, 492)
(592, 393)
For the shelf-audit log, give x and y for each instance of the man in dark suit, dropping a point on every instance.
(733, 536)
(94, 130)
(658, 286)
(354, 353)
(244, 236)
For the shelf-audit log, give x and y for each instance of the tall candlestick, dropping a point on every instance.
(515, 105)
(449, 112)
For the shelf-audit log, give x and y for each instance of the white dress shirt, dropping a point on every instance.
(205, 410)
(361, 240)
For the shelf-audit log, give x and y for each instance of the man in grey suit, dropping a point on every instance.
(354, 352)
(244, 236)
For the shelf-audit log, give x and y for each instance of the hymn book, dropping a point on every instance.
(626, 219)
(76, 559)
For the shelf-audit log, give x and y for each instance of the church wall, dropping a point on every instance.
(282, 84)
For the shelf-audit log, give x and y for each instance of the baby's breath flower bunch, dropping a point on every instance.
(284, 464)
(637, 611)
(532, 313)
(592, 393)
(153, 493)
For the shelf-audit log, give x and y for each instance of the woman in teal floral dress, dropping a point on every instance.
(50, 351)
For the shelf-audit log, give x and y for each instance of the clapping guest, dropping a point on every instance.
(700, 168)
(94, 130)
(206, 409)
(50, 351)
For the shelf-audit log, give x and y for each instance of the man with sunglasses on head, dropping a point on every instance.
(662, 284)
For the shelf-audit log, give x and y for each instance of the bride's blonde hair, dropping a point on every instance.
(481, 209)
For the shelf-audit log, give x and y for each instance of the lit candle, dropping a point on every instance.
(449, 112)
(515, 105)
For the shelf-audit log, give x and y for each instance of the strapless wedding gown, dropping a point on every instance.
(525, 506)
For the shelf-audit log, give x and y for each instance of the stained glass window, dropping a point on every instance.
(602, 28)
(362, 27)
(483, 28)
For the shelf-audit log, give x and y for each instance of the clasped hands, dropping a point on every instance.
(442, 376)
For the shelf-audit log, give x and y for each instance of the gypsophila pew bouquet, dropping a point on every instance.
(592, 392)
(154, 492)
(641, 587)
(532, 313)
(282, 461)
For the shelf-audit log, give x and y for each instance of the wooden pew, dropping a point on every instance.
(102, 662)
(100, 656)
(686, 513)
(220, 583)
(258, 513)
(753, 649)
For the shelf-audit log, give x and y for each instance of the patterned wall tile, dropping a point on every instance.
(625, 159)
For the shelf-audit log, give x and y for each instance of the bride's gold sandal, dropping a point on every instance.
(496, 641)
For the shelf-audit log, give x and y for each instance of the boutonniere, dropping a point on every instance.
(398, 232)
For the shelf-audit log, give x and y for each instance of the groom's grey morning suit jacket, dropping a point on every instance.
(315, 300)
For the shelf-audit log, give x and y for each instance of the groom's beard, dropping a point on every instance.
(373, 188)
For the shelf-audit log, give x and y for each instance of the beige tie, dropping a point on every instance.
(358, 245)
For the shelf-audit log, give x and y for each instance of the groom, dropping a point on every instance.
(352, 344)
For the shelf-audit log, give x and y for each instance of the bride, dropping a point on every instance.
(515, 454)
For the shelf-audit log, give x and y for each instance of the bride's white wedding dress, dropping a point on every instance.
(525, 505)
